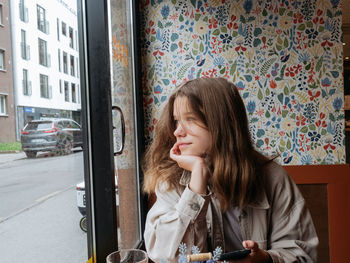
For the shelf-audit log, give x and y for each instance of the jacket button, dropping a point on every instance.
(195, 206)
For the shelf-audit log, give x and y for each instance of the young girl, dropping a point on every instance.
(214, 189)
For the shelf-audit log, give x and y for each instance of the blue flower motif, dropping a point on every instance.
(240, 85)
(304, 57)
(165, 11)
(337, 104)
(248, 5)
(219, 61)
(326, 82)
(306, 159)
(226, 39)
(335, 3)
(287, 157)
(312, 34)
(310, 112)
(251, 107)
(158, 89)
(314, 136)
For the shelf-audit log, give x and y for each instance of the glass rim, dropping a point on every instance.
(128, 250)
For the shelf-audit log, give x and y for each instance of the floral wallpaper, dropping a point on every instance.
(284, 56)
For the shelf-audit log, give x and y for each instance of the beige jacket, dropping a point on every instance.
(280, 222)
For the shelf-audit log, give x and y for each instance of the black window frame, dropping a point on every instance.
(97, 125)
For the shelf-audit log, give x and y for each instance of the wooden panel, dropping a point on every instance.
(316, 197)
(337, 179)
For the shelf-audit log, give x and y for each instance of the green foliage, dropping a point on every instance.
(12, 146)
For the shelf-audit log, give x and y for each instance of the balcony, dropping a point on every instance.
(44, 26)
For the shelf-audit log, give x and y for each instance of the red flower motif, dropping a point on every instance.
(273, 84)
(213, 23)
(329, 145)
(300, 120)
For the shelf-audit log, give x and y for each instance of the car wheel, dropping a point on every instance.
(64, 145)
(83, 224)
(30, 154)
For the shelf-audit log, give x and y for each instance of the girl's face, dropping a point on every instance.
(192, 137)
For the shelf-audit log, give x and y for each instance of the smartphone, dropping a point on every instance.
(235, 255)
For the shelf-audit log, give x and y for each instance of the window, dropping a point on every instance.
(2, 104)
(77, 67)
(65, 63)
(43, 56)
(1, 22)
(43, 25)
(58, 29)
(74, 95)
(2, 59)
(25, 49)
(60, 86)
(27, 87)
(78, 93)
(71, 38)
(44, 87)
(64, 29)
(66, 91)
(59, 60)
(23, 11)
(72, 68)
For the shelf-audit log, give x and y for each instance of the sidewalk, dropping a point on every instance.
(9, 157)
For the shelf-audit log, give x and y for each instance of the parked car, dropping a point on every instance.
(56, 135)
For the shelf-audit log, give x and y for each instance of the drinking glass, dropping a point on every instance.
(127, 256)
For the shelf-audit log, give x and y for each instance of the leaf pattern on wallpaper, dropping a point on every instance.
(284, 57)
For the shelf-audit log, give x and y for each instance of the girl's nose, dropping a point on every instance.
(179, 131)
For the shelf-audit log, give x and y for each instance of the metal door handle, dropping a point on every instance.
(123, 129)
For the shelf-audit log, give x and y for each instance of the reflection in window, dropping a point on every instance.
(71, 41)
(43, 24)
(43, 56)
(74, 95)
(2, 59)
(44, 87)
(72, 68)
(65, 63)
(27, 89)
(2, 104)
(66, 91)
(64, 28)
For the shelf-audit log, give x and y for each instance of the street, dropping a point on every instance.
(39, 217)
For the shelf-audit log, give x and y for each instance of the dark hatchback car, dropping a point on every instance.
(55, 135)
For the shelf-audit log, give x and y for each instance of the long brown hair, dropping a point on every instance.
(236, 165)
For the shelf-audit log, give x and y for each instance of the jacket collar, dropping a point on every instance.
(261, 201)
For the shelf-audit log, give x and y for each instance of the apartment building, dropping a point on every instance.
(7, 105)
(46, 60)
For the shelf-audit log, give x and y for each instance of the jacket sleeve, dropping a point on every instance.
(293, 236)
(174, 219)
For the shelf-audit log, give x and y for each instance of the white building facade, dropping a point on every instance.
(46, 59)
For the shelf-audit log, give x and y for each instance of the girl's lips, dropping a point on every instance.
(181, 145)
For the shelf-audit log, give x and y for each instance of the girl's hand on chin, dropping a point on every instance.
(187, 162)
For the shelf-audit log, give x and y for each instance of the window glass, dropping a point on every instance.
(42, 52)
(44, 86)
(1, 22)
(2, 104)
(64, 28)
(32, 126)
(2, 59)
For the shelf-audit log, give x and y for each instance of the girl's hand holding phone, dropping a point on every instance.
(194, 164)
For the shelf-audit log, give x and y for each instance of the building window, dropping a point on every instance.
(77, 67)
(74, 95)
(25, 49)
(65, 63)
(44, 58)
(2, 104)
(1, 22)
(58, 29)
(43, 25)
(59, 60)
(71, 38)
(27, 87)
(78, 93)
(2, 59)
(72, 66)
(60, 86)
(44, 87)
(66, 91)
(23, 11)
(64, 29)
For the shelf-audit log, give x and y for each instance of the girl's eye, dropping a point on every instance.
(191, 119)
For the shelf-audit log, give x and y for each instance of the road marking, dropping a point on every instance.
(38, 201)
(47, 196)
